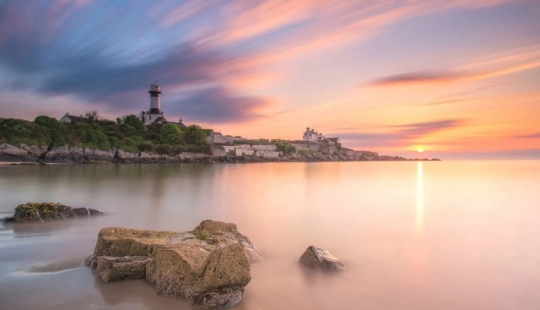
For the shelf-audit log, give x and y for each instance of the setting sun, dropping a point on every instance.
(420, 150)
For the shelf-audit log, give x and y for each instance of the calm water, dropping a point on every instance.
(433, 235)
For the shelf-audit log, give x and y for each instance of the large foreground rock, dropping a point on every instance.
(319, 258)
(209, 264)
(48, 211)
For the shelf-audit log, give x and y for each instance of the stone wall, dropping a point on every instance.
(306, 146)
(265, 147)
(268, 154)
(242, 151)
(328, 149)
(218, 150)
(218, 138)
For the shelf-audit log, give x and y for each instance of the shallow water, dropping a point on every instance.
(412, 235)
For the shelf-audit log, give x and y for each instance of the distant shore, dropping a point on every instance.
(34, 155)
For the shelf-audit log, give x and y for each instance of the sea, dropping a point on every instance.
(412, 235)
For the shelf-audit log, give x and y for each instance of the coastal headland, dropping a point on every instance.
(129, 140)
(29, 155)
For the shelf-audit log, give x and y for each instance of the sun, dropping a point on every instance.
(420, 150)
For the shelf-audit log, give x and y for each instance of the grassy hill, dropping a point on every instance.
(128, 133)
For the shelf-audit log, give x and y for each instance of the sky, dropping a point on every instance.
(455, 78)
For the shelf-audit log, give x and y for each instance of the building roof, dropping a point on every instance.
(179, 124)
(78, 119)
(333, 139)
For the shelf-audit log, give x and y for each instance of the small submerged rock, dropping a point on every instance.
(222, 298)
(319, 258)
(48, 211)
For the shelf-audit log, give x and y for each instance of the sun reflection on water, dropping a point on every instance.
(419, 197)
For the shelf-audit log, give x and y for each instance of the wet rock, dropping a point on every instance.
(121, 268)
(222, 298)
(226, 233)
(193, 267)
(48, 211)
(319, 258)
(9, 219)
(120, 242)
(212, 260)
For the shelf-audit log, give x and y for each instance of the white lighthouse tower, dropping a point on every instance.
(155, 112)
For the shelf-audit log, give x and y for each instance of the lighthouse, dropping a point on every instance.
(155, 112)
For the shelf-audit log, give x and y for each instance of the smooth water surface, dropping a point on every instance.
(413, 235)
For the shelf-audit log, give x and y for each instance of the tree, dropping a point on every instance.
(133, 121)
(195, 135)
(171, 134)
(143, 117)
(93, 116)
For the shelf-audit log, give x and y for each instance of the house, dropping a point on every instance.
(71, 119)
(310, 135)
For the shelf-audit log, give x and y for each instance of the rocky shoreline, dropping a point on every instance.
(209, 265)
(24, 154)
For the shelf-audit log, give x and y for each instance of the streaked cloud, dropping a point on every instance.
(217, 105)
(400, 135)
(182, 12)
(479, 70)
(535, 135)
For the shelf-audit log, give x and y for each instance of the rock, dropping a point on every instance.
(126, 157)
(9, 152)
(122, 268)
(65, 154)
(319, 258)
(98, 156)
(209, 264)
(48, 211)
(9, 219)
(120, 242)
(222, 298)
(215, 231)
(192, 268)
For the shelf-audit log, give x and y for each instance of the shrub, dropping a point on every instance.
(177, 149)
(171, 134)
(146, 147)
(162, 149)
(286, 148)
(17, 131)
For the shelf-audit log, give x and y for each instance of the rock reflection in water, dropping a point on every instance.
(138, 292)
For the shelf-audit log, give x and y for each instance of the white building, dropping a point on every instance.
(74, 119)
(310, 135)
